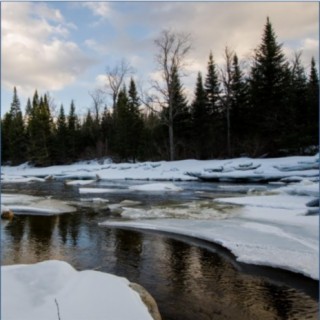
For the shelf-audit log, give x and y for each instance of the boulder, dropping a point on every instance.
(147, 299)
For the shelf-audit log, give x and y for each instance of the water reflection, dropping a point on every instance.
(188, 282)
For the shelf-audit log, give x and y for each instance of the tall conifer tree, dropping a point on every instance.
(269, 90)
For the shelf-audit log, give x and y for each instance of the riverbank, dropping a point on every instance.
(285, 169)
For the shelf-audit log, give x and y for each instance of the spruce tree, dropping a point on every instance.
(122, 125)
(212, 85)
(239, 113)
(297, 136)
(313, 104)
(72, 138)
(181, 117)
(88, 137)
(213, 91)
(5, 138)
(269, 91)
(135, 122)
(15, 132)
(60, 142)
(200, 120)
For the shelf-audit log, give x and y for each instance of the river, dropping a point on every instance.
(189, 278)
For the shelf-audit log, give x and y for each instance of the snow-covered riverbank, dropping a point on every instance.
(222, 170)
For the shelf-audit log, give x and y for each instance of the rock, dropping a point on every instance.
(313, 203)
(7, 214)
(147, 299)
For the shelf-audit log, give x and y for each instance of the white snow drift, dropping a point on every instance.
(53, 289)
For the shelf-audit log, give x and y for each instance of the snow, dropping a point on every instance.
(30, 292)
(221, 170)
(79, 182)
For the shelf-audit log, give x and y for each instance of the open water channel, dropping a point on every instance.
(190, 279)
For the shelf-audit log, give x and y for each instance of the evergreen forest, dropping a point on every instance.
(268, 108)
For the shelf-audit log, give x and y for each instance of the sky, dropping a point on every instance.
(64, 48)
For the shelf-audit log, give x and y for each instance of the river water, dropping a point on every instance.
(190, 279)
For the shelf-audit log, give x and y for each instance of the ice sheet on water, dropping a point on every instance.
(21, 203)
(156, 187)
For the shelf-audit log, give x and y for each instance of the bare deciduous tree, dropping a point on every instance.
(226, 77)
(171, 59)
(115, 77)
(98, 99)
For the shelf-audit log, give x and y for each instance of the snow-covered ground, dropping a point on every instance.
(233, 169)
(275, 228)
(52, 290)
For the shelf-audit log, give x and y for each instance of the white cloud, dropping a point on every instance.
(35, 49)
(100, 9)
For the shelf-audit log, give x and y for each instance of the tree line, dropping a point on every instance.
(270, 108)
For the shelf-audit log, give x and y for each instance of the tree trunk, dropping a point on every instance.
(171, 138)
(171, 142)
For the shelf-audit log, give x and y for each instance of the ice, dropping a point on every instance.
(30, 292)
(274, 229)
(305, 187)
(270, 201)
(22, 204)
(79, 182)
(100, 190)
(156, 187)
(277, 246)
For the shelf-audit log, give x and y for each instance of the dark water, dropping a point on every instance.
(189, 279)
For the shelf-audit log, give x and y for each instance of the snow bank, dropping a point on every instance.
(36, 292)
(221, 170)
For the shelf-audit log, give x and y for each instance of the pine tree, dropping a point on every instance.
(88, 137)
(181, 117)
(200, 120)
(5, 138)
(212, 85)
(15, 132)
(135, 122)
(122, 125)
(269, 90)
(60, 145)
(72, 138)
(213, 92)
(313, 104)
(298, 98)
(239, 114)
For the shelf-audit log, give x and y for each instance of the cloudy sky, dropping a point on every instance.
(64, 47)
